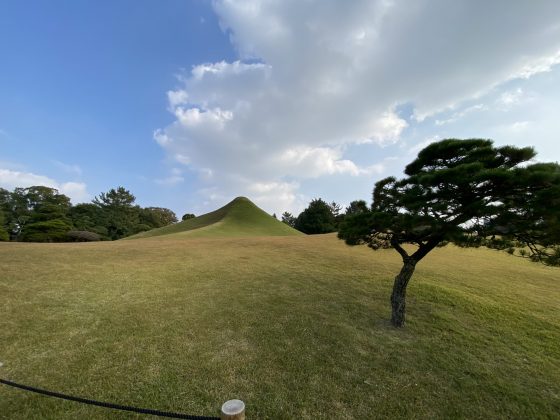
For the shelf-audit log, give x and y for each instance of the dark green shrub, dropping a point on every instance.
(83, 236)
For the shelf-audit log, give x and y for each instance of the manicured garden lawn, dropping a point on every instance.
(294, 326)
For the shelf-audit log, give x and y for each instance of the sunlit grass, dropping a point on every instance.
(294, 326)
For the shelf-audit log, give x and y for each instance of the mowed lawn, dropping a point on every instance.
(294, 326)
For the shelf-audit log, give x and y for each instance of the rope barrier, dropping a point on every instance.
(106, 404)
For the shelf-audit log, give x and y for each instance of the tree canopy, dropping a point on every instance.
(356, 206)
(89, 217)
(157, 217)
(289, 219)
(3, 232)
(467, 192)
(117, 208)
(36, 213)
(316, 218)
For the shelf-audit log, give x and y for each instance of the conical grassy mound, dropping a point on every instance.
(240, 217)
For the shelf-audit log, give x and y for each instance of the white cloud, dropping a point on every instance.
(318, 77)
(307, 162)
(511, 97)
(384, 129)
(538, 65)
(223, 69)
(519, 126)
(313, 162)
(182, 159)
(162, 138)
(276, 196)
(209, 118)
(10, 179)
(177, 97)
(77, 191)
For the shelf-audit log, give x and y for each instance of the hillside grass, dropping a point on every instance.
(294, 326)
(238, 218)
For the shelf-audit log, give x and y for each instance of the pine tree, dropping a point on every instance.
(467, 192)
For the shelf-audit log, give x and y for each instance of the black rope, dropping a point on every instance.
(106, 404)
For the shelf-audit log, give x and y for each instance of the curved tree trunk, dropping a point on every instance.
(398, 297)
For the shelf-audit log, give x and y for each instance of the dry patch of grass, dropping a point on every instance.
(291, 325)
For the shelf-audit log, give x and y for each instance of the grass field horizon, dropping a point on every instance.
(295, 326)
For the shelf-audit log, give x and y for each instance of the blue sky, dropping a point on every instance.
(191, 103)
(83, 87)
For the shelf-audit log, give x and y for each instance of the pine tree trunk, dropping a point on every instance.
(398, 297)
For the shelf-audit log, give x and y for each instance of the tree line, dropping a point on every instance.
(43, 214)
(322, 217)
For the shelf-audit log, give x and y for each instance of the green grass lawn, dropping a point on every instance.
(295, 326)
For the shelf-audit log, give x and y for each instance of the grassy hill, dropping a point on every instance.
(240, 217)
(295, 326)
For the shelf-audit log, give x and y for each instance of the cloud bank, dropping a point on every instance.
(316, 78)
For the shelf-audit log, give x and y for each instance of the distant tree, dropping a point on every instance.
(274, 215)
(41, 196)
(188, 216)
(289, 219)
(18, 212)
(4, 196)
(54, 230)
(467, 192)
(25, 207)
(316, 218)
(89, 217)
(120, 215)
(40, 214)
(336, 210)
(119, 197)
(4, 210)
(5, 200)
(6, 207)
(141, 227)
(357, 206)
(156, 217)
(3, 232)
(47, 204)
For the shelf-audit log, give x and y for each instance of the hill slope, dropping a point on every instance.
(240, 217)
